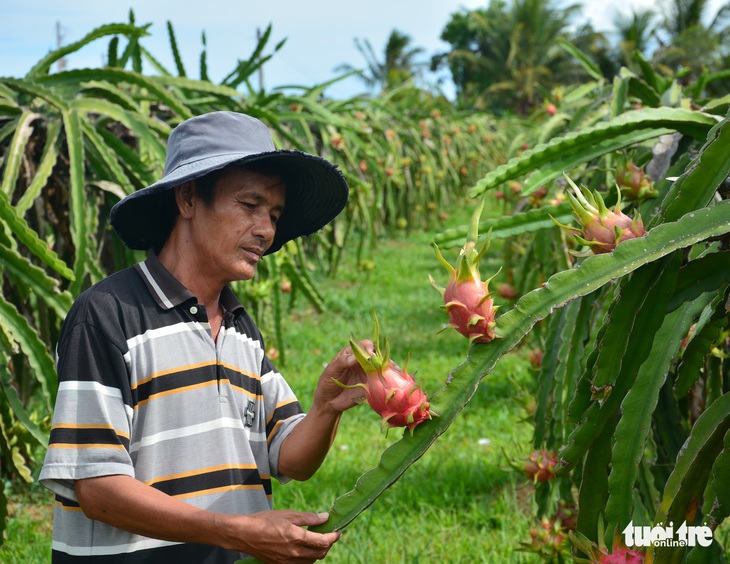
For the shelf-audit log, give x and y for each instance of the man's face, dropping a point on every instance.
(231, 235)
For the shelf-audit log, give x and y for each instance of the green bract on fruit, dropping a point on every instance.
(601, 229)
(390, 390)
(600, 554)
(466, 297)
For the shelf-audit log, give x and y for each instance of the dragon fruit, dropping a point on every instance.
(634, 183)
(466, 297)
(600, 553)
(548, 539)
(622, 555)
(540, 465)
(567, 515)
(602, 229)
(391, 391)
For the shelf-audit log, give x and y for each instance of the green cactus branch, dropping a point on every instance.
(44, 65)
(691, 473)
(19, 228)
(14, 325)
(706, 332)
(639, 405)
(563, 153)
(44, 170)
(636, 299)
(721, 485)
(691, 190)
(510, 225)
(117, 76)
(602, 398)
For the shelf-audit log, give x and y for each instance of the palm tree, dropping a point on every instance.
(502, 55)
(687, 45)
(534, 55)
(398, 66)
(480, 43)
(635, 32)
(683, 15)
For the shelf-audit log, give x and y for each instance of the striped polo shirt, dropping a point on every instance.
(144, 391)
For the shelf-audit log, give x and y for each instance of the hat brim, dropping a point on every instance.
(316, 192)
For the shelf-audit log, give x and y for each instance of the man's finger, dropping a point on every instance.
(320, 541)
(308, 519)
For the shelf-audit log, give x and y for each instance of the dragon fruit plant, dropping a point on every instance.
(391, 391)
(601, 229)
(467, 299)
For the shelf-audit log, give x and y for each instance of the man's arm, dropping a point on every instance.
(306, 447)
(271, 536)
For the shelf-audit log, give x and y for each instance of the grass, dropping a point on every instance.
(460, 502)
(28, 533)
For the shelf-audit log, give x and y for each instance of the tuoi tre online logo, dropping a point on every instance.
(666, 536)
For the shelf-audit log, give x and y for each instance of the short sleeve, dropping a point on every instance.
(282, 410)
(93, 414)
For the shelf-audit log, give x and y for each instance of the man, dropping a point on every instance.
(170, 421)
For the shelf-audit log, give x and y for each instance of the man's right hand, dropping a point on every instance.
(279, 536)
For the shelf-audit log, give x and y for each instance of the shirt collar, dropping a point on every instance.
(169, 292)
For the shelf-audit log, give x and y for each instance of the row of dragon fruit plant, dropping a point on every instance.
(618, 228)
(73, 142)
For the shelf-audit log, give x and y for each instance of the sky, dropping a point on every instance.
(319, 34)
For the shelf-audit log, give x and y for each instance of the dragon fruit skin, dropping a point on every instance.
(389, 390)
(470, 308)
(540, 465)
(602, 229)
(467, 299)
(622, 555)
(604, 233)
(394, 394)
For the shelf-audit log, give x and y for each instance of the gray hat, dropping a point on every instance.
(316, 191)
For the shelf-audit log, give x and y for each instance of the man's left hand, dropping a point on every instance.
(347, 371)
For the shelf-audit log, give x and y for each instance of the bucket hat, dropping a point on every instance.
(316, 190)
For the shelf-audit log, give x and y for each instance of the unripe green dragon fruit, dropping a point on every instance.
(391, 391)
(466, 297)
(634, 183)
(548, 539)
(602, 229)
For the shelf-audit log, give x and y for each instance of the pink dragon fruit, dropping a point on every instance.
(390, 390)
(622, 555)
(540, 465)
(600, 554)
(466, 297)
(602, 229)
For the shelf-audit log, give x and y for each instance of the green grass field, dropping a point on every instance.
(460, 502)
